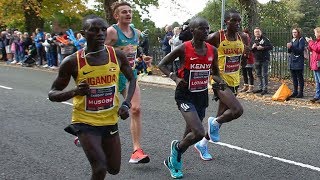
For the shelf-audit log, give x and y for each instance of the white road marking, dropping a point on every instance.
(256, 153)
(5, 87)
(67, 103)
(269, 156)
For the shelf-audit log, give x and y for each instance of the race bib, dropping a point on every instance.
(100, 99)
(198, 80)
(232, 64)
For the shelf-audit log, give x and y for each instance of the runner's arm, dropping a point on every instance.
(169, 58)
(66, 70)
(111, 37)
(128, 73)
(214, 39)
(215, 68)
(125, 68)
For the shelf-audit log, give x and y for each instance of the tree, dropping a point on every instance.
(30, 14)
(311, 12)
(251, 12)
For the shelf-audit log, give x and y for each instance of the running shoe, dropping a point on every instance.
(175, 173)
(203, 151)
(138, 156)
(175, 155)
(213, 130)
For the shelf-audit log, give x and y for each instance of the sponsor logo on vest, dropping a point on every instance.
(84, 73)
(102, 80)
(193, 58)
(200, 66)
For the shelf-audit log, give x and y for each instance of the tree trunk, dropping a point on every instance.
(32, 18)
(107, 8)
(251, 9)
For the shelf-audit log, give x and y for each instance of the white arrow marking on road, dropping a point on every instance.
(5, 87)
(268, 156)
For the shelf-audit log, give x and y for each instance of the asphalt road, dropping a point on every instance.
(269, 141)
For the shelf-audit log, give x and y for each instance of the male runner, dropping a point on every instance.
(125, 37)
(231, 46)
(95, 70)
(197, 59)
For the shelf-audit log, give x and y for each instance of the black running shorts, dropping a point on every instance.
(104, 131)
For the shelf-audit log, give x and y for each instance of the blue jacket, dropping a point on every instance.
(39, 38)
(296, 58)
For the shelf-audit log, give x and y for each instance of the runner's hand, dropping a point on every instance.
(82, 89)
(123, 112)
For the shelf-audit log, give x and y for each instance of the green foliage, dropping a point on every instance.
(212, 12)
(311, 17)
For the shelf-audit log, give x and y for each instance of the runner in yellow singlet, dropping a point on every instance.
(96, 107)
(231, 45)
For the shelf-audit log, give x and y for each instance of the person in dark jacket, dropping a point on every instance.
(296, 62)
(260, 46)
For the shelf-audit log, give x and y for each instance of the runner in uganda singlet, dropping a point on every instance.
(101, 106)
(229, 59)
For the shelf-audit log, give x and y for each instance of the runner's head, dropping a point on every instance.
(94, 29)
(122, 12)
(199, 27)
(232, 19)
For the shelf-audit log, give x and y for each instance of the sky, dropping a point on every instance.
(166, 13)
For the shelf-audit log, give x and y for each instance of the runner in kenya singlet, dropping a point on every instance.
(229, 59)
(101, 106)
(196, 72)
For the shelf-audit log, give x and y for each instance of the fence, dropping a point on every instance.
(278, 67)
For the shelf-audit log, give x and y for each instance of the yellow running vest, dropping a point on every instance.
(229, 58)
(100, 108)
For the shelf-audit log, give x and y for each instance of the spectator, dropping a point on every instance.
(248, 69)
(296, 62)
(144, 43)
(314, 47)
(260, 46)
(81, 41)
(174, 42)
(3, 46)
(39, 39)
(165, 46)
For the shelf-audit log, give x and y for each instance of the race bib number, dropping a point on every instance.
(100, 99)
(232, 64)
(198, 80)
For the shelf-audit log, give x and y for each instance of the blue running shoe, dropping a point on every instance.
(213, 130)
(203, 151)
(175, 156)
(175, 173)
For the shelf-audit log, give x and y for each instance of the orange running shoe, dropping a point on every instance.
(138, 156)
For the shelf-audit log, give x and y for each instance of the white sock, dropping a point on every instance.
(204, 142)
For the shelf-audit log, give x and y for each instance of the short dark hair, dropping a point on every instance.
(228, 13)
(194, 22)
(86, 25)
(117, 4)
